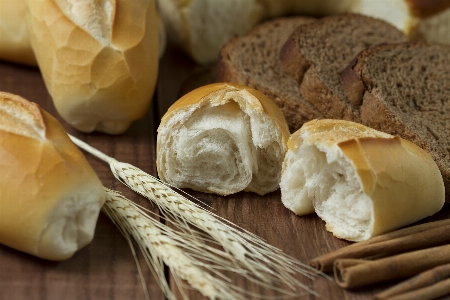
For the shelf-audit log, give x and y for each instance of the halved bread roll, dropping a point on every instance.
(50, 197)
(222, 138)
(360, 181)
(99, 59)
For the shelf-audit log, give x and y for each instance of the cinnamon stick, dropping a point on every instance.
(430, 284)
(407, 239)
(432, 292)
(352, 273)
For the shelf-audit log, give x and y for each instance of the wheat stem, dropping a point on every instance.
(259, 261)
(159, 245)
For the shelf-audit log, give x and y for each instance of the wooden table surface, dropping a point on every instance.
(105, 269)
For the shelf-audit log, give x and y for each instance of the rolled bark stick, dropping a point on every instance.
(432, 292)
(353, 273)
(411, 238)
(430, 284)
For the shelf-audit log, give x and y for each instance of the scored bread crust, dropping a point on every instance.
(99, 59)
(222, 138)
(373, 182)
(394, 109)
(50, 197)
(252, 60)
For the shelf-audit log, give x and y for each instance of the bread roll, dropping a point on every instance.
(360, 181)
(222, 138)
(202, 27)
(14, 41)
(50, 197)
(99, 59)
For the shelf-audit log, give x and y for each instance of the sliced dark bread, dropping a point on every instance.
(405, 90)
(317, 53)
(253, 60)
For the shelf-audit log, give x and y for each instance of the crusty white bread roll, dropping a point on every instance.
(14, 37)
(222, 138)
(14, 41)
(360, 181)
(202, 27)
(99, 59)
(50, 197)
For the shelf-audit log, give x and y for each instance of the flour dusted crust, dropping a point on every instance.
(50, 197)
(360, 181)
(222, 138)
(99, 59)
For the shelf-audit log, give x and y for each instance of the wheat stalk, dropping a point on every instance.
(257, 260)
(161, 245)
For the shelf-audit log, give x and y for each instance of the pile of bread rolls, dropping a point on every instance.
(99, 61)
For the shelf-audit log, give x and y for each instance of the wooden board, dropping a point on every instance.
(105, 269)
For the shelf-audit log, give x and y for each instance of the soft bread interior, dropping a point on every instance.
(213, 150)
(223, 144)
(71, 224)
(324, 181)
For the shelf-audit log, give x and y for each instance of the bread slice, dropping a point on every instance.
(253, 60)
(405, 90)
(317, 53)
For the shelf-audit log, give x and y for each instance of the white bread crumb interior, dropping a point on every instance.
(335, 168)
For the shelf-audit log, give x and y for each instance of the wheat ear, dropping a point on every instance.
(161, 245)
(257, 260)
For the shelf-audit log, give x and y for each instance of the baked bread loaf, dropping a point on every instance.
(99, 59)
(360, 181)
(253, 60)
(50, 197)
(14, 36)
(317, 53)
(202, 27)
(14, 40)
(222, 138)
(404, 90)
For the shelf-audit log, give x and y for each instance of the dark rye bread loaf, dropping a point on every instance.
(404, 90)
(317, 53)
(253, 60)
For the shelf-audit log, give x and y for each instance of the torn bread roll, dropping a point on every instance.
(360, 181)
(222, 138)
(50, 197)
(99, 59)
(14, 39)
